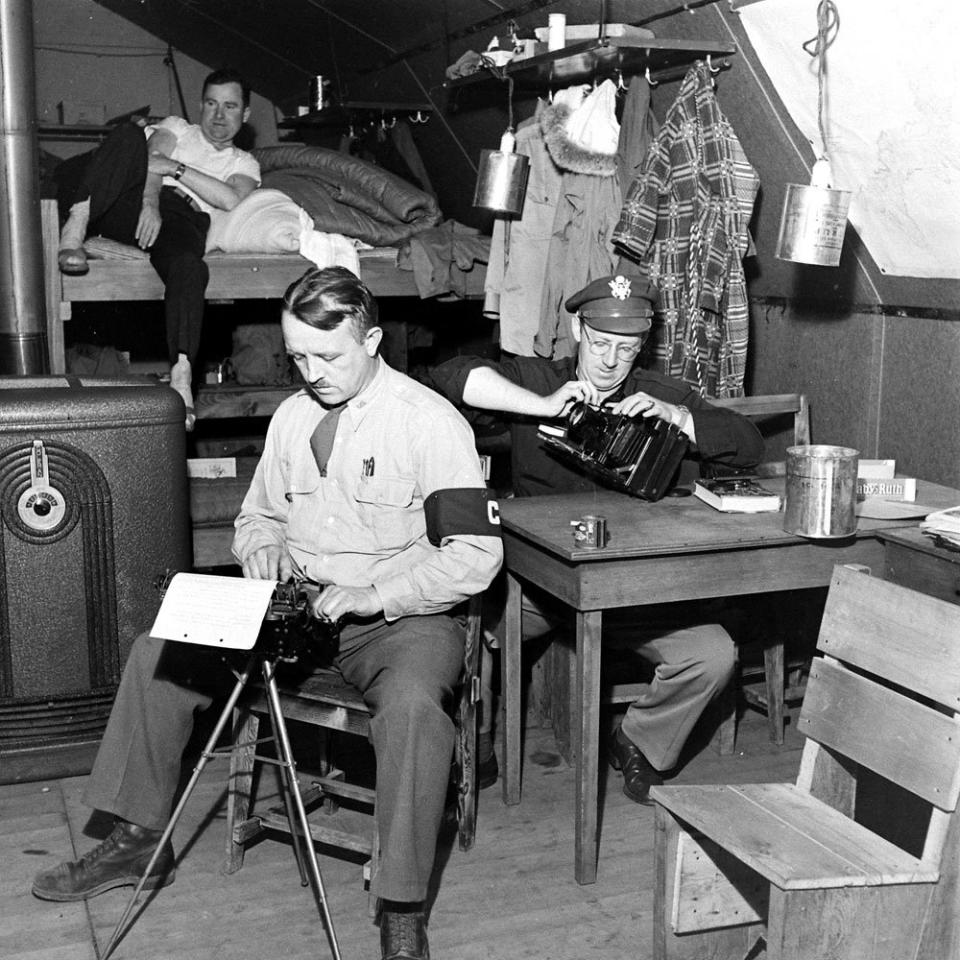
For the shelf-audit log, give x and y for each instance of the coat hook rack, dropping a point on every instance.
(358, 115)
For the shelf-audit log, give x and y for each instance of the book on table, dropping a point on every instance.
(944, 527)
(737, 495)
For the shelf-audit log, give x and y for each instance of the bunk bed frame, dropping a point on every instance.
(233, 276)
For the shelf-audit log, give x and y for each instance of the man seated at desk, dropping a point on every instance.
(692, 662)
(369, 486)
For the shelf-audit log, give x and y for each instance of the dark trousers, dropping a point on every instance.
(112, 177)
(406, 671)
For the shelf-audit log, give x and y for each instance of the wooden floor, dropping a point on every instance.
(512, 897)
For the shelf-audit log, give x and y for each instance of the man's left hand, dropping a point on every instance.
(148, 225)
(643, 405)
(335, 602)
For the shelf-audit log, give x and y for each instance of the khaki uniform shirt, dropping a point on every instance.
(354, 529)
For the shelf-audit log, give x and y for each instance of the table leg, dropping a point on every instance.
(587, 733)
(510, 690)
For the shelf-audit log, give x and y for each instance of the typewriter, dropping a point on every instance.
(289, 630)
(637, 455)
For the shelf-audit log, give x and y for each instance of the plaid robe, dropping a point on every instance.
(685, 221)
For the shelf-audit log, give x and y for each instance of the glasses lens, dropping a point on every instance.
(600, 348)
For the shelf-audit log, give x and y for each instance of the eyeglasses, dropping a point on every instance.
(600, 348)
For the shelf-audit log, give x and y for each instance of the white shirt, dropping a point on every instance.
(196, 151)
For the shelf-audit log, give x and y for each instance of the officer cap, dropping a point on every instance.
(621, 304)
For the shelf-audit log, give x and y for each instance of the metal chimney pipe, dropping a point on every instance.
(23, 340)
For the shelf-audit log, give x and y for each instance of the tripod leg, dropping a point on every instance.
(290, 772)
(205, 755)
(285, 759)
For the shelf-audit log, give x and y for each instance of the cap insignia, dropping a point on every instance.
(620, 288)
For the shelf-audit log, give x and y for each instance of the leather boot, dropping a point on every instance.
(403, 935)
(117, 861)
(638, 773)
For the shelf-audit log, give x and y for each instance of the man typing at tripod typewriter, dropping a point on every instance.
(691, 661)
(370, 487)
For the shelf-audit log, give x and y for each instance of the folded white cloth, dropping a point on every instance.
(328, 249)
(593, 124)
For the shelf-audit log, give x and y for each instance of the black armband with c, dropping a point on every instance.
(461, 511)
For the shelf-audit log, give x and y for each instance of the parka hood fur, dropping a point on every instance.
(566, 154)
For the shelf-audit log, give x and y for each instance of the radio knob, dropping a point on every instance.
(41, 508)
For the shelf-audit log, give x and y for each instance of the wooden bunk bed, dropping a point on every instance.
(233, 276)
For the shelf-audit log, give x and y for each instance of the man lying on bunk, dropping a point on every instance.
(155, 188)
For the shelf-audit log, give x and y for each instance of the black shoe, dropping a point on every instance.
(488, 771)
(403, 935)
(638, 774)
(116, 862)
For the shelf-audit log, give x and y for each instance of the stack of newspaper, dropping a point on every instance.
(943, 526)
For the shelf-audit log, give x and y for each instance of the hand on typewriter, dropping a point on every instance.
(335, 602)
(268, 563)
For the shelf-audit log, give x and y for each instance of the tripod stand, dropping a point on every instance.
(304, 852)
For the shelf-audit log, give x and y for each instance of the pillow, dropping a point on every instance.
(265, 221)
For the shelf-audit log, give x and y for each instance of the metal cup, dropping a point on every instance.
(318, 98)
(821, 491)
(590, 532)
(501, 181)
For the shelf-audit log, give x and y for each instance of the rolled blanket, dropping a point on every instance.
(346, 195)
(265, 221)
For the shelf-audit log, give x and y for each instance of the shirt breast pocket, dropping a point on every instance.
(386, 509)
(305, 505)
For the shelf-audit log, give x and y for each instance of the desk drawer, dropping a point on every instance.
(936, 576)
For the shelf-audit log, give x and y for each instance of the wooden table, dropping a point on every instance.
(675, 549)
(914, 560)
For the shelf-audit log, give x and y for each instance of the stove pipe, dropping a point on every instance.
(23, 341)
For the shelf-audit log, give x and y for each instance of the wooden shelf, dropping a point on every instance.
(581, 62)
(221, 401)
(83, 132)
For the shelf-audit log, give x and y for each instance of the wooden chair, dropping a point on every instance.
(767, 407)
(773, 693)
(801, 865)
(772, 697)
(326, 701)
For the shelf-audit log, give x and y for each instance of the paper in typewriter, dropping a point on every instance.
(213, 611)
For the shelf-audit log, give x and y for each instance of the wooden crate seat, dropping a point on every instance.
(799, 867)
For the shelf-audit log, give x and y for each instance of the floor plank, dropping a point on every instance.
(513, 897)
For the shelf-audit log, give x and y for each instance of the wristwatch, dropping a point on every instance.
(180, 171)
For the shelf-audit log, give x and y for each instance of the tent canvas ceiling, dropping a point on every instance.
(397, 50)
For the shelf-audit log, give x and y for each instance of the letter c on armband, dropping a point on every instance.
(461, 511)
